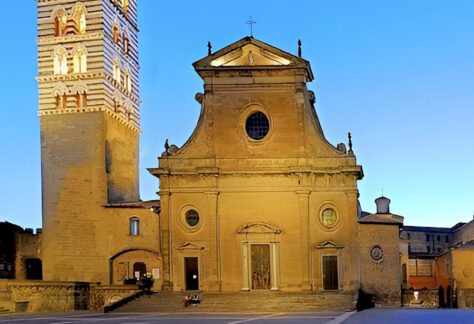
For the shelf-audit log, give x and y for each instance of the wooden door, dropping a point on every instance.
(260, 266)
(330, 275)
(191, 269)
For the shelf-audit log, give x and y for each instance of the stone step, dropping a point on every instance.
(4, 310)
(253, 302)
(5, 295)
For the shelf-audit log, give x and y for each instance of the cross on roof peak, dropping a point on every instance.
(251, 22)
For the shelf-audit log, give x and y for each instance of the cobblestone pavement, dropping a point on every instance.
(378, 316)
(76, 318)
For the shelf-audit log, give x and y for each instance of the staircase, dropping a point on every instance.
(243, 302)
(6, 305)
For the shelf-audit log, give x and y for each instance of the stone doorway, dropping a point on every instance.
(34, 269)
(330, 273)
(191, 270)
(260, 266)
(139, 270)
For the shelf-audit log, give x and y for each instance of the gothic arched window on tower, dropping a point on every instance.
(61, 101)
(125, 6)
(60, 22)
(127, 79)
(79, 18)
(116, 33)
(81, 100)
(60, 60)
(116, 70)
(80, 60)
(125, 40)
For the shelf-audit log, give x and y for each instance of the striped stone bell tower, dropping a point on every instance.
(89, 114)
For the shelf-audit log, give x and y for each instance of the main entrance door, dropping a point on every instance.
(191, 270)
(330, 281)
(260, 266)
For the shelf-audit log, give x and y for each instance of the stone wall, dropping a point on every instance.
(28, 246)
(382, 277)
(427, 298)
(466, 298)
(465, 233)
(101, 296)
(49, 296)
(43, 296)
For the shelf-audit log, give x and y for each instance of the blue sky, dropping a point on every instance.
(398, 74)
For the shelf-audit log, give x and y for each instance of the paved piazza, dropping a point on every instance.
(385, 316)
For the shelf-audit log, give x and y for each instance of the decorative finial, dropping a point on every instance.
(167, 147)
(299, 47)
(382, 192)
(350, 143)
(209, 48)
(251, 22)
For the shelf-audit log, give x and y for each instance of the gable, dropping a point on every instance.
(249, 55)
(249, 52)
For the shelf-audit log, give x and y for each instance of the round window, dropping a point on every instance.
(192, 217)
(257, 125)
(329, 217)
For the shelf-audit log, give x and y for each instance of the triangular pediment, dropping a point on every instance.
(249, 55)
(191, 246)
(249, 52)
(328, 245)
(258, 228)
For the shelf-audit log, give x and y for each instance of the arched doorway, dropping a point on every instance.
(124, 264)
(441, 300)
(139, 270)
(449, 296)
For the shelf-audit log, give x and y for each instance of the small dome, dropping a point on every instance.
(383, 205)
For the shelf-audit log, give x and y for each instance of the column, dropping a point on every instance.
(165, 239)
(275, 264)
(303, 202)
(245, 267)
(215, 279)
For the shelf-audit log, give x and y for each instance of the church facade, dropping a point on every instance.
(256, 199)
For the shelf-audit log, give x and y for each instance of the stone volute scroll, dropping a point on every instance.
(170, 150)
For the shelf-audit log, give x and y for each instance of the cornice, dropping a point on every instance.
(70, 76)
(51, 40)
(132, 124)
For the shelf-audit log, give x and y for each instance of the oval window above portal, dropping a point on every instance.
(329, 217)
(257, 125)
(192, 217)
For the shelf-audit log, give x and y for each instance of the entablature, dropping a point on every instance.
(355, 170)
(51, 40)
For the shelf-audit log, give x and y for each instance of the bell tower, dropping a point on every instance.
(89, 115)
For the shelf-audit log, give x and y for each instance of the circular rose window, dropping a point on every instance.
(329, 217)
(192, 217)
(257, 125)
